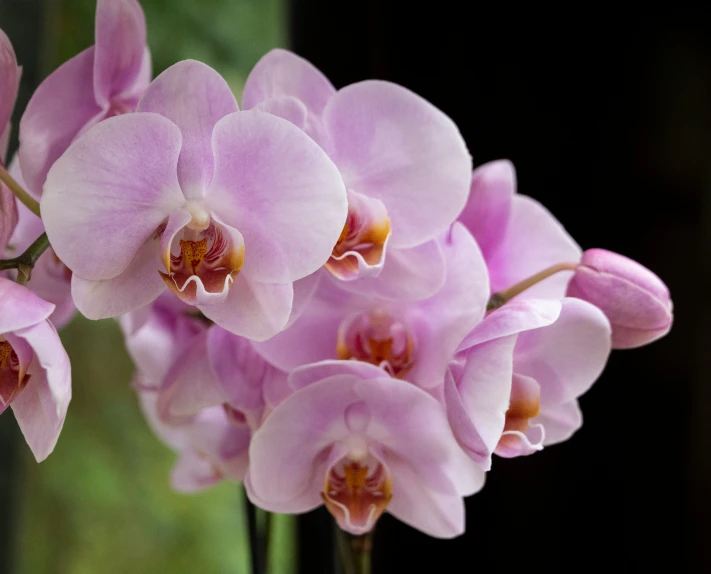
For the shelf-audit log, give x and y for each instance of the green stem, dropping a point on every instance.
(502, 297)
(355, 551)
(19, 192)
(25, 262)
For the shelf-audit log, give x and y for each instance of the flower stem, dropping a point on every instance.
(502, 297)
(355, 551)
(25, 262)
(19, 192)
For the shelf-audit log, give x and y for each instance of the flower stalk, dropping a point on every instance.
(19, 191)
(503, 297)
(25, 262)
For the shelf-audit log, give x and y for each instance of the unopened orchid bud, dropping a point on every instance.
(635, 300)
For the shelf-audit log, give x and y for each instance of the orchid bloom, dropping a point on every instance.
(412, 340)
(10, 74)
(404, 163)
(517, 235)
(352, 438)
(514, 384)
(35, 375)
(233, 206)
(210, 445)
(51, 279)
(103, 81)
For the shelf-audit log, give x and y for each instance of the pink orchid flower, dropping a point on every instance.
(51, 279)
(35, 375)
(517, 235)
(226, 208)
(212, 446)
(514, 384)
(103, 81)
(351, 438)
(10, 74)
(404, 163)
(409, 339)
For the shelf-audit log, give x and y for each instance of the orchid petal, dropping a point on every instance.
(488, 209)
(120, 36)
(393, 145)
(560, 421)
(194, 97)
(138, 285)
(110, 191)
(275, 185)
(60, 108)
(20, 307)
(567, 357)
(253, 310)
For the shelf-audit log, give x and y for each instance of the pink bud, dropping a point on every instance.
(635, 300)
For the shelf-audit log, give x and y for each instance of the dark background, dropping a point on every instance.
(608, 122)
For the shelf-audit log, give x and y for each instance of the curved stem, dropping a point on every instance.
(19, 191)
(25, 262)
(502, 297)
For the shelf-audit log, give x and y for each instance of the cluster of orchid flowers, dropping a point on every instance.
(321, 298)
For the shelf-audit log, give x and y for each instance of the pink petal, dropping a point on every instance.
(20, 308)
(138, 285)
(280, 190)
(120, 36)
(282, 73)
(478, 399)
(58, 110)
(308, 374)
(286, 107)
(239, 370)
(10, 74)
(560, 421)
(393, 145)
(534, 240)
(407, 274)
(567, 357)
(436, 514)
(194, 97)
(441, 322)
(253, 310)
(488, 209)
(41, 408)
(110, 191)
(189, 385)
(313, 336)
(289, 452)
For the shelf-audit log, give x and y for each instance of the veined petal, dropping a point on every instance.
(393, 145)
(120, 37)
(488, 208)
(20, 308)
(282, 73)
(58, 110)
(110, 191)
(253, 310)
(138, 285)
(283, 193)
(10, 74)
(306, 375)
(409, 274)
(567, 357)
(194, 97)
(41, 408)
(286, 107)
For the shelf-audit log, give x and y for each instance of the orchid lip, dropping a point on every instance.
(13, 379)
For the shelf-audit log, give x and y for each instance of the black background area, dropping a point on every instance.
(608, 122)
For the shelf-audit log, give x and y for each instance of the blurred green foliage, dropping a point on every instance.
(102, 502)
